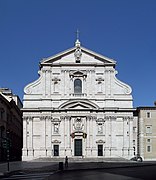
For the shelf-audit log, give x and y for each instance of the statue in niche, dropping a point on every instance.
(99, 84)
(56, 128)
(100, 128)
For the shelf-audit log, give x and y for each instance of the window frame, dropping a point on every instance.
(149, 148)
(148, 114)
(79, 85)
(149, 129)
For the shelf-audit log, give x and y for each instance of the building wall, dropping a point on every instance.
(135, 134)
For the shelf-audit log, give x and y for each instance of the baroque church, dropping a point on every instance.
(77, 108)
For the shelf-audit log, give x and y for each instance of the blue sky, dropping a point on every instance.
(124, 30)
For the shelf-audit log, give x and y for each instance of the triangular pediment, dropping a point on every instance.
(79, 104)
(67, 57)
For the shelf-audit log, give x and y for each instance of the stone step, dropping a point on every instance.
(80, 159)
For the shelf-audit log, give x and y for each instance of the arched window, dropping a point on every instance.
(77, 86)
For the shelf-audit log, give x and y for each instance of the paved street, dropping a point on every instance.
(131, 173)
(145, 172)
(89, 175)
(30, 176)
(82, 170)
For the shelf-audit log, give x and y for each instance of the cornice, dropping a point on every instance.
(146, 108)
(89, 109)
(78, 64)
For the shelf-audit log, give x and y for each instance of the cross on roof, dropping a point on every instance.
(77, 34)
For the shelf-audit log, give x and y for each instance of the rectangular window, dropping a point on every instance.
(148, 114)
(148, 129)
(148, 148)
(148, 140)
(134, 150)
(77, 86)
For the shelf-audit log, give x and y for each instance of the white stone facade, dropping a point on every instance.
(77, 108)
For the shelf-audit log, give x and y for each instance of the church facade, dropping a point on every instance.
(77, 108)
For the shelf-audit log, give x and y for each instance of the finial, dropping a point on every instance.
(77, 43)
(78, 52)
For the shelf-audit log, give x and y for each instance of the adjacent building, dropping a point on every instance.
(10, 125)
(77, 108)
(135, 134)
(147, 132)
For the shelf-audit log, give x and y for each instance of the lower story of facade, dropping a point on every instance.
(77, 134)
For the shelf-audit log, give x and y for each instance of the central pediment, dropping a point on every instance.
(79, 105)
(69, 57)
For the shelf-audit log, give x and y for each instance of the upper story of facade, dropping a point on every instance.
(77, 74)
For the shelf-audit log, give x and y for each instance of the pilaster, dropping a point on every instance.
(43, 135)
(48, 136)
(93, 83)
(48, 82)
(65, 83)
(25, 140)
(131, 150)
(107, 83)
(141, 137)
(90, 83)
(113, 135)
(44, 82)
(108, 136)
(88, 139)
(30, 133)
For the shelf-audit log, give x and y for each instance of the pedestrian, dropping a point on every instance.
(66, 162)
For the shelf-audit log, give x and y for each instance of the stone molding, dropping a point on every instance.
(110, 117)
(100, 141)
(100, 120)
(56, 142)
(56, 79)
(27, 118)
(45, 70)
(99, 79)
(127, 118)
(110, 70)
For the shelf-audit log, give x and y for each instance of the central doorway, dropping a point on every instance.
(78, 147)
(56, 150)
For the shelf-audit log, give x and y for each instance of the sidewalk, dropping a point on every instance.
(27, 166)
